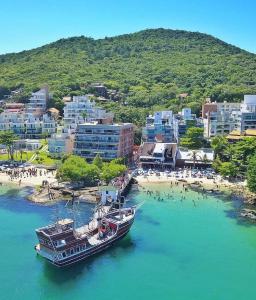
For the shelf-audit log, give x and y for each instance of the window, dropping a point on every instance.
(64, 254)
(82, 247)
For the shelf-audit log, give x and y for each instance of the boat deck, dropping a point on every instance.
(86, 229)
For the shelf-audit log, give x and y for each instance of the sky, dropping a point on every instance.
(27, 24)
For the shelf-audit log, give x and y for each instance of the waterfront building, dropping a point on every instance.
(201, 158)
(110, 141)
(38, 102)
(60, 144)
(158, 155)
(82, 110)
(159, 128)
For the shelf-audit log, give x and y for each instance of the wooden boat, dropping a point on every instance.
(62, 244)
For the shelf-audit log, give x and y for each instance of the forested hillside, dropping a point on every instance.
(151, 68)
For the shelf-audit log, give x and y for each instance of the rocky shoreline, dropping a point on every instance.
(41, 195)
(248, 199)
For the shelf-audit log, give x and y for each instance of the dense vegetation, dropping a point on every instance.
(193, 139)
(236, 160)
(76, 169)
(151, 68)
(251, 174)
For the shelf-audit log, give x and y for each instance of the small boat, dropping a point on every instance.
(62, 244)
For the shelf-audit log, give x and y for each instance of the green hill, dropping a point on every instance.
(151, 68)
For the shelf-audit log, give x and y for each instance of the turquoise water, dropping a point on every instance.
(175, 250)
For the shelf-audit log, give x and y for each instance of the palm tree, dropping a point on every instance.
(7, 138)
(84, 115)
(194, 156)
(205, 159)
(21, 154)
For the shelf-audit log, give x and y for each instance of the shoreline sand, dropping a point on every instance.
(31, 181)
(218, 184)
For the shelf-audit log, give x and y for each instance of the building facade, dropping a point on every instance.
(38, 102)
(158, 155)
(27, 126)
(60, 144)
(246, 117)
(226, 117)
(110, 141)
(82, 110)
(183, 121)
(159, 128)
(222, 121)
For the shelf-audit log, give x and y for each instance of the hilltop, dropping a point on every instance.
(151, 68)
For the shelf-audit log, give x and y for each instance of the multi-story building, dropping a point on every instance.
(110, 141)
(60, 144)
(246, 117)
(82, 110)
(220, 118)
(183, 121)
(38, 102)
(14, 107)
(159, 128)
(27, 126)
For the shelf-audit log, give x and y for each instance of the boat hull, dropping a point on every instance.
(91, 251)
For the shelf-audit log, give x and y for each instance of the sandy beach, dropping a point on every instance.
(208, 183)
(30, 181)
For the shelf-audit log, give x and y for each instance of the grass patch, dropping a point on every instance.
(17, 157)
(45, 159)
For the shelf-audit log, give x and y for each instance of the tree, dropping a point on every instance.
(194, 156)
(7, 138)
(228, 169)
(251, 174)
(238, 153)
(216, 164)
(193, 139)
(112, 170)
(219, 144)
(76, 169)
(91, 174)
(205, 159)
(45, 136)
(84, 115)
(97, 161)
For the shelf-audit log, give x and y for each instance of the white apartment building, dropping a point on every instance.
(60, 144)
(247, 115)
(81, 110)
(222, 118)
(38, 102)
(27, 126)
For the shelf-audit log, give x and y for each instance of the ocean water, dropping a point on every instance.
(184, 250)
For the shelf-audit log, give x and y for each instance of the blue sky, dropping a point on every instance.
(26, 24)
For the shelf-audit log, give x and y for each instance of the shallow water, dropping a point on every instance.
(175, 250)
